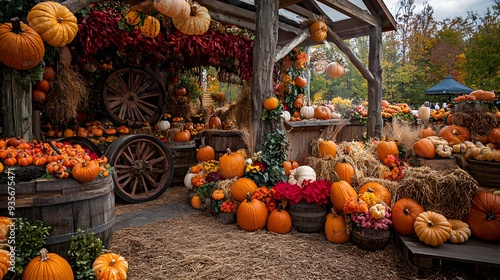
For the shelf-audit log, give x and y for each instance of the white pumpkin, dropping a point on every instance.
(377, 211)
(307, 112)
(460, 231)
(286, 115)
(336, 115)
(187, 180)
(163, 125)
(424, 113)
(301, 173)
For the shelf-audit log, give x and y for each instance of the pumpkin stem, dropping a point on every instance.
(455, 132)
(16, 25)
(406, 211)
(370, 190)
(113, 261)
(490, 216)
(430, 223)
(249, 197)
(229, 151)
(44, 255)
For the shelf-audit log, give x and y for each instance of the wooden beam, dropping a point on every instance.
(292, 44)
(228, 19)
(301, 11)
(375, 123)
(286, 3)
(352, 56)
(353, 11)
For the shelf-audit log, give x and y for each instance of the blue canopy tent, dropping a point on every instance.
(448, 87)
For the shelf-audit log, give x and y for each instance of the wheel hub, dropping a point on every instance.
(140, 167)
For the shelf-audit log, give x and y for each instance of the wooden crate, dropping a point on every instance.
(486, 173)
(436, 164)
(481, 258)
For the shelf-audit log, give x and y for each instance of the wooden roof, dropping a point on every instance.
(348, 19)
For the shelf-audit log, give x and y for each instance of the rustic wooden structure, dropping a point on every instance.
(277, 24)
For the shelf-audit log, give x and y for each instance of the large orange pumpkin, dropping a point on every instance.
(241, 187)
(85, 171)
(231, 165)
(404, 213)
(205, 153)
(327, 148)
(322, 113)
(424, 148)
(252, 214)
(379, 190)
(455, 134)
(336, 228)
(344, 171)
(340, 192)
(484, 216)
(385, 148)
(279, 221)
(47, 266)
(21, 47)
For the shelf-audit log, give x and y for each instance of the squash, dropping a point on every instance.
(47, 266)
(241, 187)
(460, 231)
(133, 17)
(319, 31)
(279, 221)
(218, 195)
(340, 192)
(286, 116)
(484, 216)
(173, 8)
(110, 266)
(432, 228)
(187, 180)
(455, 134)
(252, 214)
(5, 224)
(85, 171)
(377, 211)
(163, 125)
(300, 174)
(21, 47)
(197, 23)
(196, 202)
(335, 70)
(327, 149)
(271, 103)
(336, 228)
(205, 153)
(322, 113)
(344, 171)
(231, 165)
(151, 27)
(424, 148)
(379, 190)
(55, 23)
(385, 148)
(404, 213)
(307, 112)
(483, 95)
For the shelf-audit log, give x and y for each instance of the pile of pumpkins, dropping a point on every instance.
(189, 129)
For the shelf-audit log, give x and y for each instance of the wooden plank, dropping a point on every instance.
(16, 107)
(292, 44)
(375, 123)
(353, 11)
(305, 123)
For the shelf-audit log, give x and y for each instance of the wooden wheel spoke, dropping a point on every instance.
(121, 85)
(148, 94)
(158, 170)
(156, 160)
(120, 168)
(137, 113)
(123, 111)
(142, 105)
(152, 181)
(114, 104)
(144, 86)
(134, 186)
(112, 88)
(135, 80)
(145, 186)
(124, 183)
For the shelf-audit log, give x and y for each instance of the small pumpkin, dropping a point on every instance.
(279, 221)
(187, 180)
(182, 136)
(300, 82)
(22, 47)
(432, 228)
(483, 95)
(55, 23)
(327, 148)
(214, 122)
(5, 224)
(322, 113)
(218, 195)
(47, 266)
(38, 96)
(424, 148)
(4, 262)
(404, 213)
(335, 70)
(196, 202)
(205, 153)
(460, 231)
(173, 8)
(301, 173)
(151, 27)
(252, 214)
(231, 165)
(286, 116)
(163, 125)
(133, 17)
(340, 192)
(344, 171)
(271, 103)
(110, 266)
(319, 31)
(197, 23)
(86, 171)
(494, 136)
(289, 165)
(241, 187)
(377, 211)
(307, 112)
(426, 132)
(385, 148)
(336, 228)
(484, 216)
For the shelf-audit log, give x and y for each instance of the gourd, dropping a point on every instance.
(460, 231)
(47, 266)
(110, 266)
(340, 192)
(319, 31)
(424, 148)
(336, 228)
(444, 151)
(151, 27)
(385, 148)
(427, 132)
(55, 23)
(379, 190)
(404, 213)
(344, 171)
(286, 116)
(4, 262)
(173, 8)
(454, 134)
(85, 171)
(205, 153)
(279, 221)
(133, 17)
(424, 113)
(197, 23)
(21, 47)
(5, 224)
(301, 173)
(307, 112)
(483, 95)
(484, 216)
(163, 125)
(300, 82)
(327, 148)
(231, 165)
(377, 211)
(271, 103)
(335, 70)
(494, 136)
(218, 195)
(289, 165)
(432, 228)
(196, 202)
(241, 187)
(187, 180)
(252, 214)
(322, 113)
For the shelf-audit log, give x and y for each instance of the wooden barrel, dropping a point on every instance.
(370, 239)
(486, 173)
(223, 140)
(307, 217)
(184, 154)
(65, 205)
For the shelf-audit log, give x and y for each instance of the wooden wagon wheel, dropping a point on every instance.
(144, 167)
(84, 142)
(133, 96)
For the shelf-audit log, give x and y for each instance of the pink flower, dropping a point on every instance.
(317, 192)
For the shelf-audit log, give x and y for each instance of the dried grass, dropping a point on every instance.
(69, 94)
(448, 192)
(403, 132)
(479, 123)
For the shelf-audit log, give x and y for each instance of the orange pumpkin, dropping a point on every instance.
(214, 122)
(5, 224)
(424, 148)
(322, 113)
(252, 214)
(335, 70)
(494, 136)
(319, 31)
(205, 153)
(279, 221)
(85, 171)
(484, 216)
(110, 266)
(47, 266)
(301, 82)
(404, 213)
(289, 165)
(182, 136)
(455, 134)
(336, 228)
(231, 165)
(271, 103)
(379, 190)
(385, 148)
(327, 148)
(344, 171)
(241, 187)
(483, 95)
(340, 192)
(428, 131)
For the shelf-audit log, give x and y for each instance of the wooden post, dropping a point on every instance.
(375, 123)
(264, 53)
(16, 108)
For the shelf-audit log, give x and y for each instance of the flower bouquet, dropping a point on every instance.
(218, 96)
(393, 168)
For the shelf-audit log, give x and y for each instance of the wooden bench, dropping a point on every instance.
(483, 257)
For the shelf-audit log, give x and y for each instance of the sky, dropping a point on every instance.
(446, 8)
